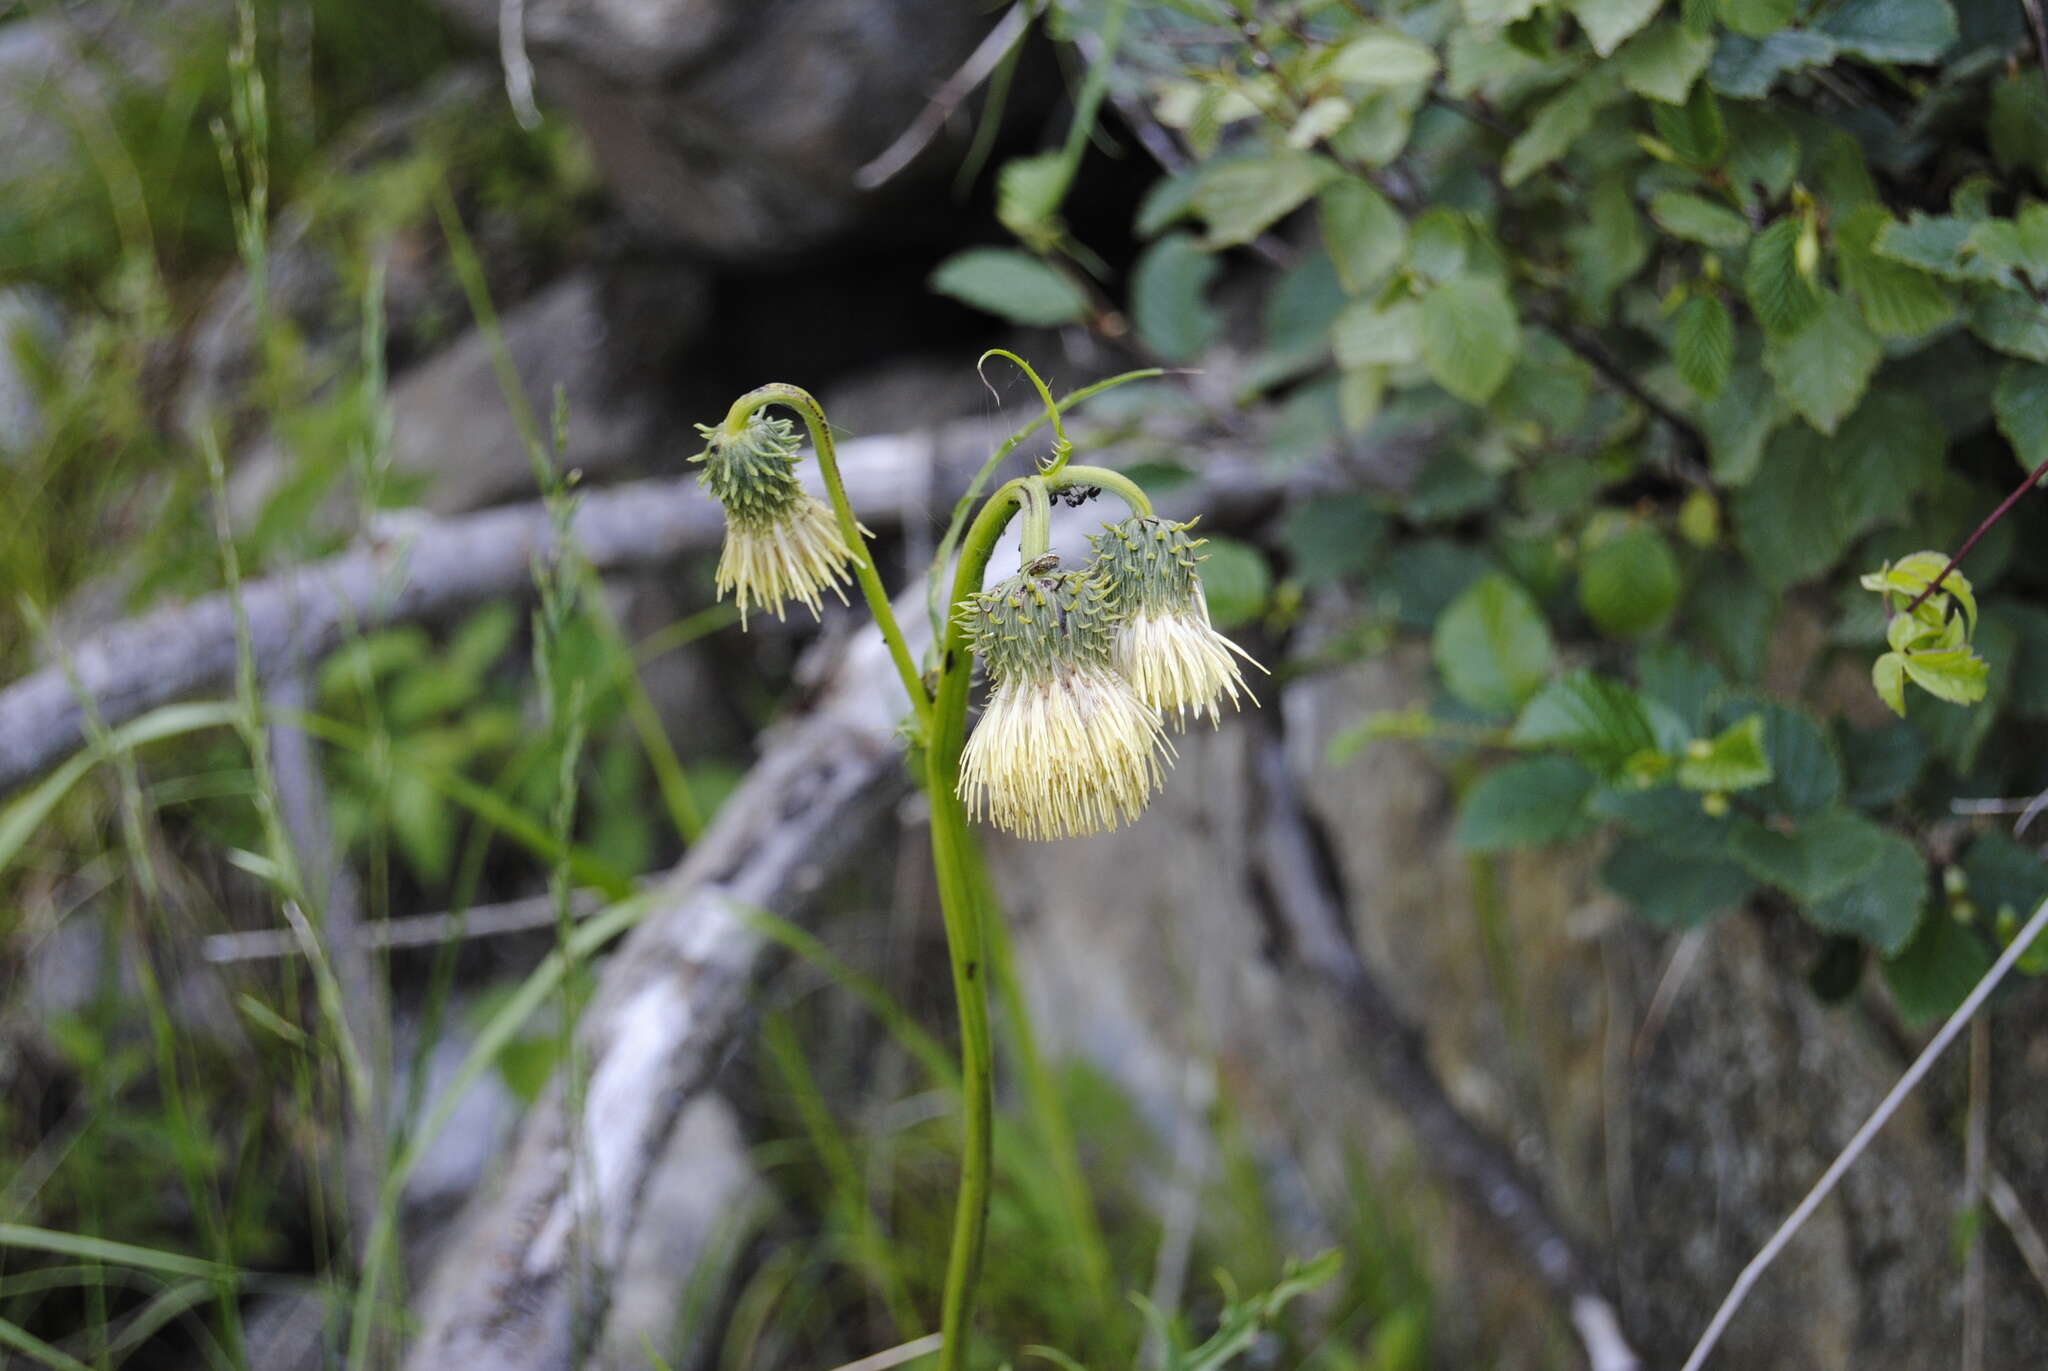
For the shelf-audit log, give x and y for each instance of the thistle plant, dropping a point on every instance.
(1082, 667)
(1163, 639)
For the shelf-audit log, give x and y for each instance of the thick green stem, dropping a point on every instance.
(956, 860)
(1037, 521)
(849, 526)
(1115, 482)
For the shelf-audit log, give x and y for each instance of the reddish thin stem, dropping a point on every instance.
(2004, 507)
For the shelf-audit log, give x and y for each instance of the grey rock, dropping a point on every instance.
(1674, 1152)
(453, 431)
(736, 130)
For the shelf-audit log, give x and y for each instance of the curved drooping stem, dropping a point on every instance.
(1062, 446)
(1115, 482)
(956, 860)
(813, 414)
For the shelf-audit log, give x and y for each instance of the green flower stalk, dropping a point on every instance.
(1065, 746)
(782, 543)
(1164, 643)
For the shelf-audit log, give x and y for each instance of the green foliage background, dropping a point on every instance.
(1701, 310)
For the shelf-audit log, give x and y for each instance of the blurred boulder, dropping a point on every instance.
(453, 435)
(1671, 1140)
(735, 130)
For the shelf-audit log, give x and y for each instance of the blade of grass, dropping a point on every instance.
(833, 1150)
(28, 1344)
(502, 1027)
(22, 817)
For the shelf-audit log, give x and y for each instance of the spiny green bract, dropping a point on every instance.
(1148, 562)
(1030, 621)
(753, 472)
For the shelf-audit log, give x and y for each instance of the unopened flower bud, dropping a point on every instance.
(1065, 746)
(1164, 642)
(781, 541)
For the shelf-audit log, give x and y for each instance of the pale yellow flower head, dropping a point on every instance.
(1064, 747)
(1164, 643)
(781, 541)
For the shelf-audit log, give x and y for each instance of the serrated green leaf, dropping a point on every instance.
(1910, 31)
(1629, 584)
(1703, 344)
(1898, 301)
(1698, 220)
(1321, 119)
(1888, 679)
(1956, 674)
(1383, 57)
(1933, 243)
(1363, 233)
(1674, 676)
(1367, 334)
(1882, 764)
(1333, 538)
(1694, 130)
(1733, 759)
(1493, 14)
(1663, 61)
(1758, 18)
(1610, 246)
(2021, 404)
(1235, 581)
(1673, 890)
(1783, 298)
(1807, 775)
(1169, 286)
(2013, 322)
(1738, 422)
(1823, 855)
(1936, 972)
(1608, 22)
(1028, 195)
(1525, 804)
(1888, 452)
(1558, 123)
(2004, 877)
(1600, 720)
(1379, 131)
(1747, 68)
(1470, 336)
(1786, 520)
(1014, 285)
(1823, 369)
(1492, 645)
(1883, 907)
(1241, 200)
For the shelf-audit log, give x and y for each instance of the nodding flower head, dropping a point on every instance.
(1163, 642)
(1065, 747)
(781, 541)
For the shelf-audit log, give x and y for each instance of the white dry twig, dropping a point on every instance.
(1879, 1117)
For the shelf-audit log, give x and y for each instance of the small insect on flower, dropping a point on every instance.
(1065, 747)
(781, 541)
(1163, 641)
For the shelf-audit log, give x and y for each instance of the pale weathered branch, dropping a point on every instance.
(525, 1285)
(427, 568)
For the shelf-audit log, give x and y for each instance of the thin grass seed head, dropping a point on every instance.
(781, 541)
(1065, 747)
(1163, 641)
